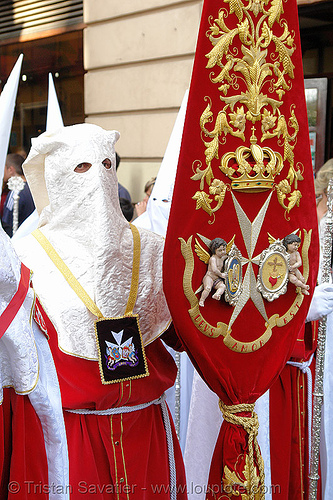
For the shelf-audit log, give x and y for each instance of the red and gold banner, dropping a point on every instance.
(241, 252)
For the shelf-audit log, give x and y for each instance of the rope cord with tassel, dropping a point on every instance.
(251, 426)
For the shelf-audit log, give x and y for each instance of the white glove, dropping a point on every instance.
(322, 302)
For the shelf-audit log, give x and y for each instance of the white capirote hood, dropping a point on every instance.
(81, 217)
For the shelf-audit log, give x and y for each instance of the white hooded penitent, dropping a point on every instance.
(81, 217)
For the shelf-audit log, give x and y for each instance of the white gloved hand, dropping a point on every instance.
(322, 302)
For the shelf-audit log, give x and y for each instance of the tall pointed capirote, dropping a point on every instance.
(7, 106)
(54, 119)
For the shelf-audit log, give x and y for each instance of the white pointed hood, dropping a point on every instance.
(156, 216)
(81, 216)
(54, 119)
(7, 106)
(54, 122)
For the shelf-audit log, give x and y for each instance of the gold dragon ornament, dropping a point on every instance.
(253, 168)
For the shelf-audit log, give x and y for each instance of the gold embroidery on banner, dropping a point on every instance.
(253, 460)
(263, 63)
(252, 178)
(234, 485)
(223, 329)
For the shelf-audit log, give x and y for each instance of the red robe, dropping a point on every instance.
(117, 456)
(23, 462)
(289, 424)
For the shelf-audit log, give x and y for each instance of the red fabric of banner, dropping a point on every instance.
(244, 175)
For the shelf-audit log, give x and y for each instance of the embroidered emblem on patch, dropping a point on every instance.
(121, 352)
(272, 279)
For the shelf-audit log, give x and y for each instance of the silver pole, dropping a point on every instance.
(318, 393)
(15, 184)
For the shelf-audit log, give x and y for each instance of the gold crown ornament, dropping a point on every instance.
(252, 169)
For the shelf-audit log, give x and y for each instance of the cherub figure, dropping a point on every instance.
(214, 277)
(292, 243)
